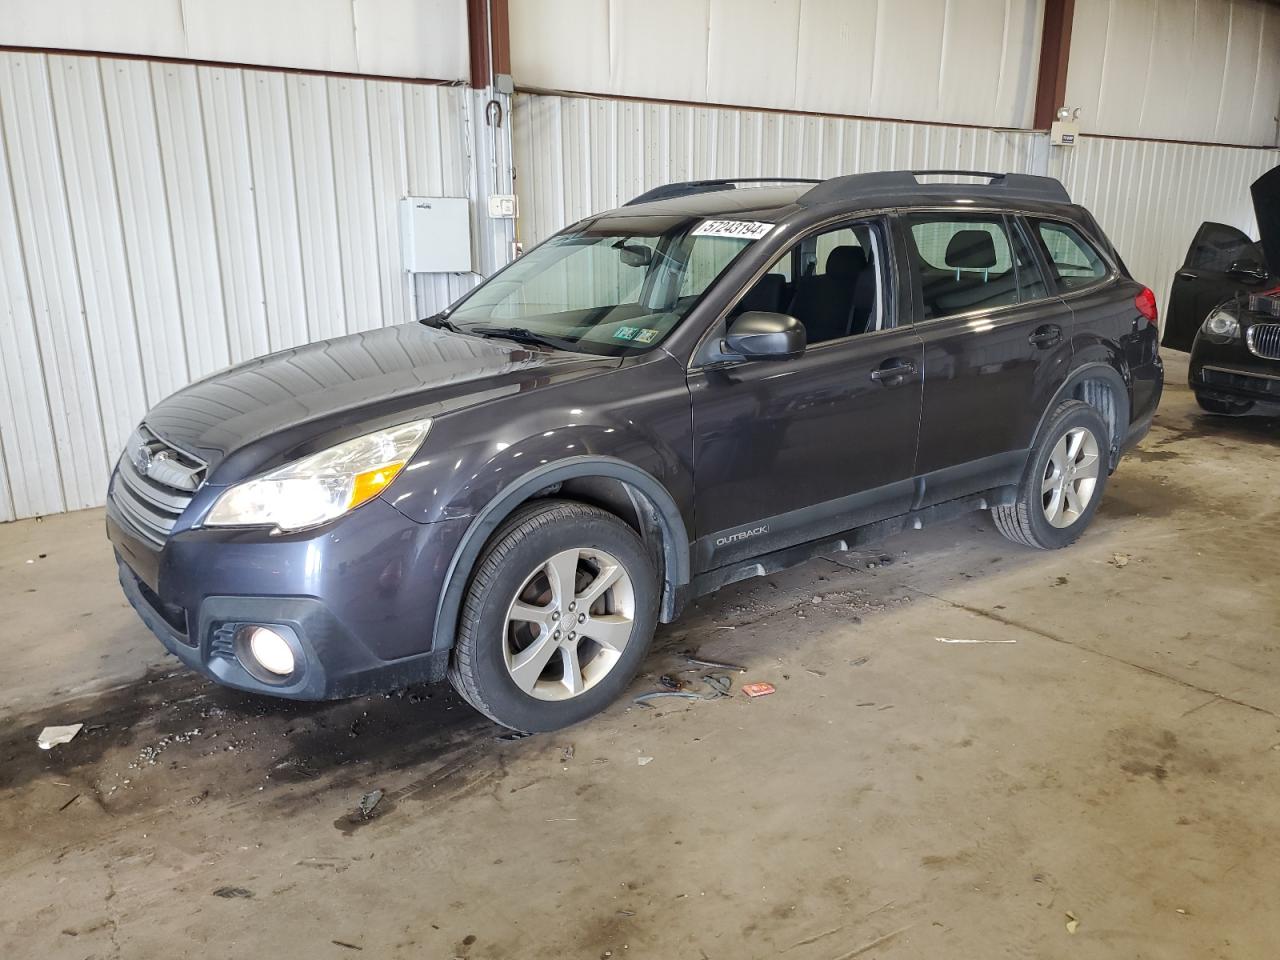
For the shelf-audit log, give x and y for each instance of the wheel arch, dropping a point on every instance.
(607, 482)
(1100, 385)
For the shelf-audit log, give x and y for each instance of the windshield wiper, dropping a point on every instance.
(520, 335)
(440, 321)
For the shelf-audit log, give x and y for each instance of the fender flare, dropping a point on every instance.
(675, 538)
(1094, 370)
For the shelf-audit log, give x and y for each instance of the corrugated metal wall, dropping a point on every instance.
(1150, 197)
(1205, 70)
(393, 38)
(160, 221)
(578, 155)
(958, 61)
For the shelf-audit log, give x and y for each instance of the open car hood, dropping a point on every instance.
(1266, 207)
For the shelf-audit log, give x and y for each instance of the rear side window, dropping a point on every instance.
(1075, 262)
(965, 263)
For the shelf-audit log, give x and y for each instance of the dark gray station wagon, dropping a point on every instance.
(715, 381)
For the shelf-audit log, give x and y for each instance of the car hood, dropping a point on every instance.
(276, 408)
(1266, 208)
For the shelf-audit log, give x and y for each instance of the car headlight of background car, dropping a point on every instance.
(322, 486)
(1220, 326)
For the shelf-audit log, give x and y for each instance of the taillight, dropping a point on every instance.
(1146, 304)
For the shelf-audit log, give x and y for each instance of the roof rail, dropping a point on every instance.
(690, 187)
(1019, 186)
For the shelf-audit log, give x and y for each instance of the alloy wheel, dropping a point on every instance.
(1070, 477)
(568, 624)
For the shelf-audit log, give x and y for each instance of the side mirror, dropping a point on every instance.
(1248, 270)
(757, 335)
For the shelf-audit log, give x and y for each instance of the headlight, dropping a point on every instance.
(1221, 325)
(322, 486)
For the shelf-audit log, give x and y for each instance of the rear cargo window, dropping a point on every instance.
(1072, 259)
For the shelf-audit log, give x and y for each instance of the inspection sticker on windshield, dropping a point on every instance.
(638, 334)
(742, 229)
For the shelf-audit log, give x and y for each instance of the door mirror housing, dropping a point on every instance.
(758, 335)
(1248, 270)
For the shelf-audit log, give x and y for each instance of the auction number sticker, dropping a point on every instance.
(741, 229)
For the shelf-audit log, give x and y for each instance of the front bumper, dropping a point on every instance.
(1230, 372)
(356, 598)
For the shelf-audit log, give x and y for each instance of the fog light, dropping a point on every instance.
(271, 650)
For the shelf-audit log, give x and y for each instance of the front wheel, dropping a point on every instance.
(558, 616)
(1063, 481)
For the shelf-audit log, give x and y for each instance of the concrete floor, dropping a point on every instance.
(1115, 760)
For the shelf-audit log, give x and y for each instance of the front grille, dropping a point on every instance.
(1264, 340)
(153, 484)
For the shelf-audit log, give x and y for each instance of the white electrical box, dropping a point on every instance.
(435, 234)
(1063, 133)
(502, 206)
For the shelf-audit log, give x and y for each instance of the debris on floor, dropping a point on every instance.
(644, 761)
(692, 657)
(1119, 560)
(511, 737)
(368, 802)
(758, 689)
(718, 686)
(959, 640)
(50, 737)
(644, 698)
(566, 753)
(233, 893)
(721, 686)
(1072, 923)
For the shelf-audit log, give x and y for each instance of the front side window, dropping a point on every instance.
(615, 286)
(963, 263)
(1217, 246)
(1073, 260)
(829, 281)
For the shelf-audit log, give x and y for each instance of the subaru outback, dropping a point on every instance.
(715, 381)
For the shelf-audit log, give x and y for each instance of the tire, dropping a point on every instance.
(518, 634)
(1051, 511)
(1226, 408)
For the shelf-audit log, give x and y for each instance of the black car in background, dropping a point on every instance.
(1225, 309)
(710, 383)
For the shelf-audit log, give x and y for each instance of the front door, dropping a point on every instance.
(790, 451)
(1221, 262)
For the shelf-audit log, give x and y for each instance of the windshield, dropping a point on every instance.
(612, 287)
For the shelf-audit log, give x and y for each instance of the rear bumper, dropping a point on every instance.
(356, 599)
(1148, 388)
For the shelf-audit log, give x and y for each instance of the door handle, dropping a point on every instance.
(892, 372)
(1046, 336)
(1187, 275)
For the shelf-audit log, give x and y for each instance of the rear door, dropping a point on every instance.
(996, 342)
(1221, 262)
